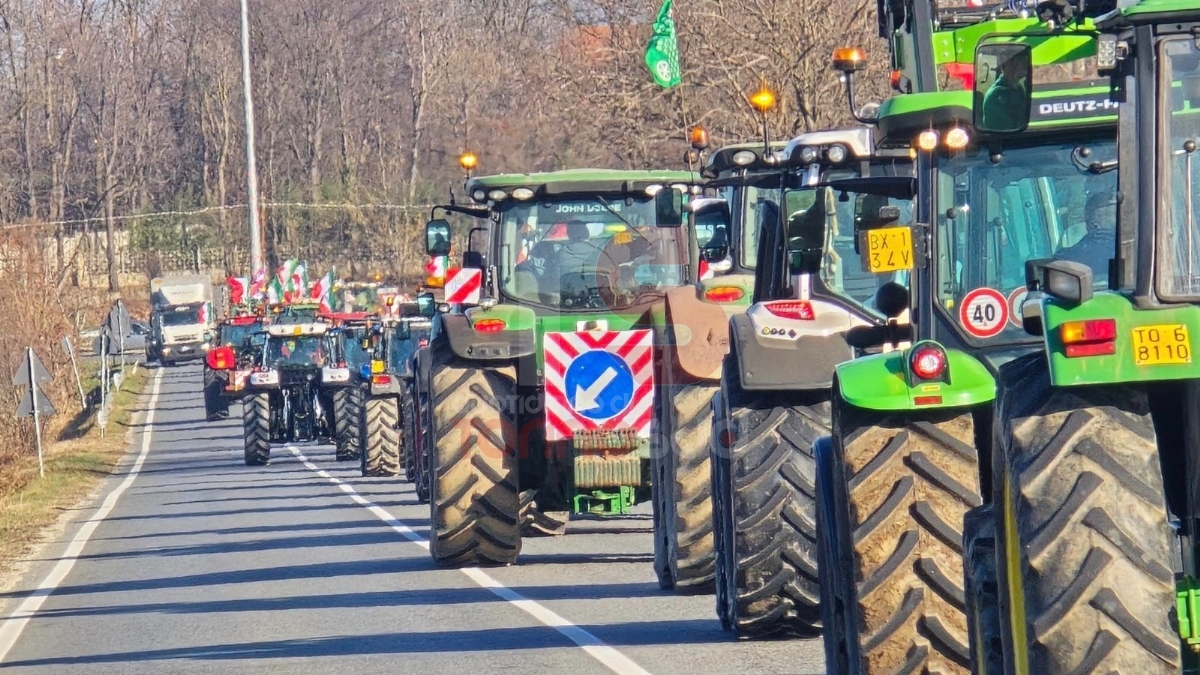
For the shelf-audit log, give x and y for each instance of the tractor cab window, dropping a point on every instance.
(401, 349)
(820, 224)
(352, 350)
(598, 253)
(236, 334)
(760, 206)
(1179, 204)
(299, 351)
(997, 208)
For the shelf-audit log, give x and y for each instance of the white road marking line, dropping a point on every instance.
(11, 630)
(606, 655)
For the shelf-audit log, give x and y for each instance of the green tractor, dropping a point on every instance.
(1094, 497)
(911, 449)
(536, 393)
(746, 178)
(815, 287)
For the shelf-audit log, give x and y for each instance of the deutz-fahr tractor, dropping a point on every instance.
(226, 365)
(347, 335)
(744, 175)
(388, 415)
(284, 400)
(912, 430)
(815, 283)
(538, 387)
(1094, 496)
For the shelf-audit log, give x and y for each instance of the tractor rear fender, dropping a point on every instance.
(701, 336)
(516, 339)
(884, 382)
(805, 362)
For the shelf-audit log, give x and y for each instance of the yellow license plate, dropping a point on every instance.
(888, 249)
(1163, 344)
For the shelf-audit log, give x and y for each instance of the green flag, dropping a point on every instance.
(662, 54)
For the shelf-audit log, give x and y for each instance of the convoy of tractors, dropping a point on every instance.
(923, 386)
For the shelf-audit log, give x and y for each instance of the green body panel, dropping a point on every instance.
(1067, 44)
(1187, 611)
(881, 382)
(1118, 367)
(591, 180)
(742, 281)
(1151, 11)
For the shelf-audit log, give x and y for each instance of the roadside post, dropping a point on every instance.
(34, 403)
(70, 350)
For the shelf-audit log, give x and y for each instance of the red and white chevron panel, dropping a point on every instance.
(634, 347)
(463, 285)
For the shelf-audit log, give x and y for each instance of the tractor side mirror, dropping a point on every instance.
(437, 237)
(668, 207)
(1003, 87)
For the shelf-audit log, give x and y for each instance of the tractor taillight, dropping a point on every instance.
(791, 309)
(724, 294)
(489, 325)
(383, 380)
(928, 363)
(1093, 337)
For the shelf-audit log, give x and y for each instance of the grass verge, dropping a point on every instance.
(77, 458)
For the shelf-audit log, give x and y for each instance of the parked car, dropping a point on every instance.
(135, 341)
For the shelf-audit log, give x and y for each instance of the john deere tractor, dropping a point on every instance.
(284, 400)
(813, 284)
(912, 451)
(538, 392)
(1094, 492)
(745, 178)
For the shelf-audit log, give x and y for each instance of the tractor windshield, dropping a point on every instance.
(401, 347)
(182, 316)
(1179, 242)
(589, 254)
(998, 207)
(353, 352)
(820, 225)
(301, 351)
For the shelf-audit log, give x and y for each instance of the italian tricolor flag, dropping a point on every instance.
(322, 291)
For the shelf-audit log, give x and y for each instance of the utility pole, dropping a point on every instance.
(256, 254)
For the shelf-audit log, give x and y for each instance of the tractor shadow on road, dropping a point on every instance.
(643, 633)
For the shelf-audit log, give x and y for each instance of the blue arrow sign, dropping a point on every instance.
(599, 385)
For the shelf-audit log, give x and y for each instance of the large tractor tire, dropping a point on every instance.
(256, 428)
(215, 407)
(408, 435)
(474, 502)
(981, 591)
(1087, 584)
(836, 578)
(767, 487)
(347, 404)
(425, 444)
(907, 481)
(684, 534)
(380, 452)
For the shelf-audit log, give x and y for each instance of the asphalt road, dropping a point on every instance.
(203, 564)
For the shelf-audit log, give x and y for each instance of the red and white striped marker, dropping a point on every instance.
(569, 412)
(463, 285)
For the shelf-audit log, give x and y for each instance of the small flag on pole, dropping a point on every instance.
(662, 54)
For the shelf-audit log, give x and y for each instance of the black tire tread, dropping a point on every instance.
(688, 506)
(347, 404)
(474, 503)
(1085, 486)
(256, 428)
(380, 450)
(909, 482)
(774, 559)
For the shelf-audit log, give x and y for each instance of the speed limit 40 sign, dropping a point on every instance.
(984, 312)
